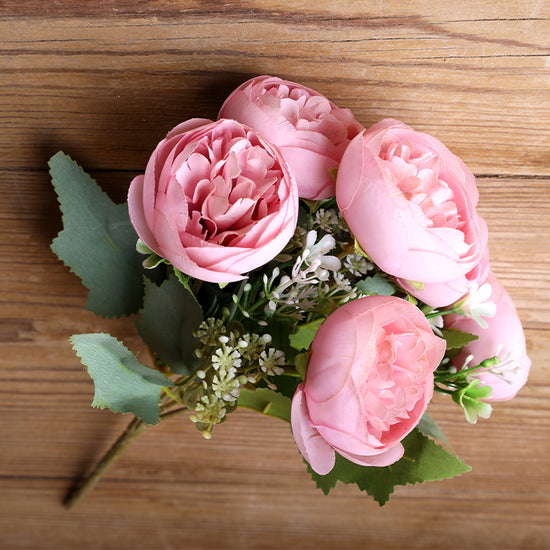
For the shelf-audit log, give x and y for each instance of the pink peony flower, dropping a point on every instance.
(503, 337)
(311, 132)
(369, 380)
(216, 200)
(443, 294)
(411, 205)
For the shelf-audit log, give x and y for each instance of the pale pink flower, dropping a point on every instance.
(217, 200)
(311, 132)
(368, 382)
(449, 292)
(411, 205)
(503, 337)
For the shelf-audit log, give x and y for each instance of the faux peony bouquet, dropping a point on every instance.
(286, 259)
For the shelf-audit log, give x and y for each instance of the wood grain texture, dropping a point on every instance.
(104, 81)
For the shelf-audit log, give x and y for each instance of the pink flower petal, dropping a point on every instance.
(313, 447)
(411, 204)
(216, 200)
(386, 458)
(311, 131)
(370, 377)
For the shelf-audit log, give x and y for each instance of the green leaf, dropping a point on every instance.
(301, 363)
(184, 279)
(429, 428)
(170, 314)
(121, 383)
(286, 384)
(423, 460)
(266, 401)
(97, 242)
(152, 261)
(376, 285)
(457, 339)
(280, 331)
(303, 337)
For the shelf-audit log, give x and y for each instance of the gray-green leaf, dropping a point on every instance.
(429, 428)
(97, 242)
(423, 460)
(170, 314)
(266, 401)
(376, 285)
(121, 383)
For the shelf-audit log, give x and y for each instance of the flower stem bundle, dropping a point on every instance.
(286, 259)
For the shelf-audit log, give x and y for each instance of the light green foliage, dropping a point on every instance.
(98, 241)
(457, 339)
(168, 318)
(121, 383)
(429, 428)
(469, 398)
(375, 285)
(266, 401)
(423, 460)
(303, 337)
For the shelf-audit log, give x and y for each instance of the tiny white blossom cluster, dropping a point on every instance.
(231, 359)
(315, 276)
(503, 368)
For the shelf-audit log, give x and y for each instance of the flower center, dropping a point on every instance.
(229, 185)
(416, 175)
(390, 392)
(312, 113)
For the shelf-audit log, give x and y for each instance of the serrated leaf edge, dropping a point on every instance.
(98, 403)
(53, 244)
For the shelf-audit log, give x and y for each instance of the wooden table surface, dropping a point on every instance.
(104, 80)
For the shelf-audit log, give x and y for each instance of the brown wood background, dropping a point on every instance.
(104, 80)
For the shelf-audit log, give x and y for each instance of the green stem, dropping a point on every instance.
(443, 390)
(259, 303)
(239, 296)
(440, 313)
(173, 412)
(293, 373)
(136, 427)
(172, 396)
(463, 373)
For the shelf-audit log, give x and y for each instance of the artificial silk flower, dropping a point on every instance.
(411, 205)
(368, 382)
(217, 200)
(301, 310)
(311, 132)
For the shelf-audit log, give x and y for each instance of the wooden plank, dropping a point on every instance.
(280, 10)
(118, 84)
(104, 81)
(252, 461)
